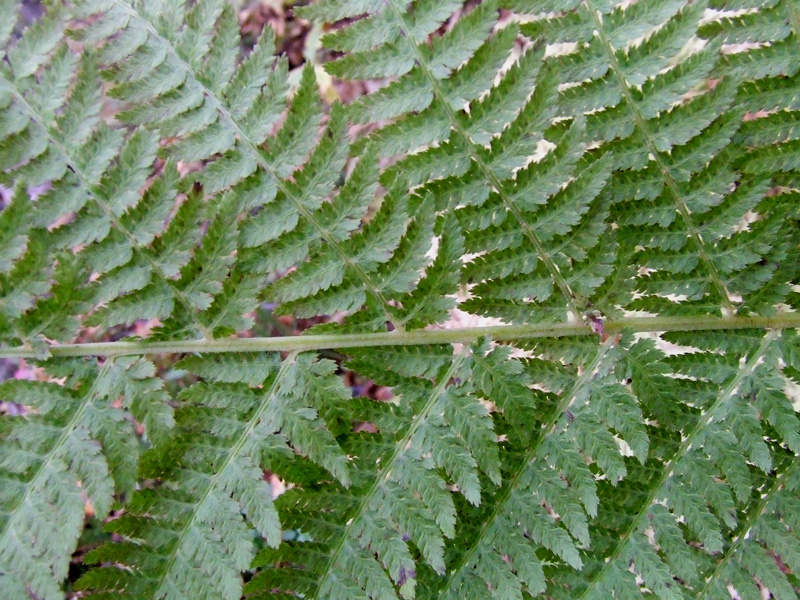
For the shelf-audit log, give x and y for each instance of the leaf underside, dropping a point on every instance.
(520, 163)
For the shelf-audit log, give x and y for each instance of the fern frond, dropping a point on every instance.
(765, 530)
(705, 479)
(227, 125)
(474, 152)
(440, 435)
(633, 103)
(214, 500)
(769, 95)
(36, 100)
(514, 276)
(541, 515)
(615, 183)
(97, 175)
(65, 459)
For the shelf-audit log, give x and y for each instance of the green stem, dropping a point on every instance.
(499, 333)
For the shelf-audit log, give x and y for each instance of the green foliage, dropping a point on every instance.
(77, 441)
(616, 182)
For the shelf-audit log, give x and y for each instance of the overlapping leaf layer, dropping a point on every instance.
(547, 164)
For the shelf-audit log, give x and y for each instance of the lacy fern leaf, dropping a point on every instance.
(75, 442)
(227, 431)
(232, 307)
